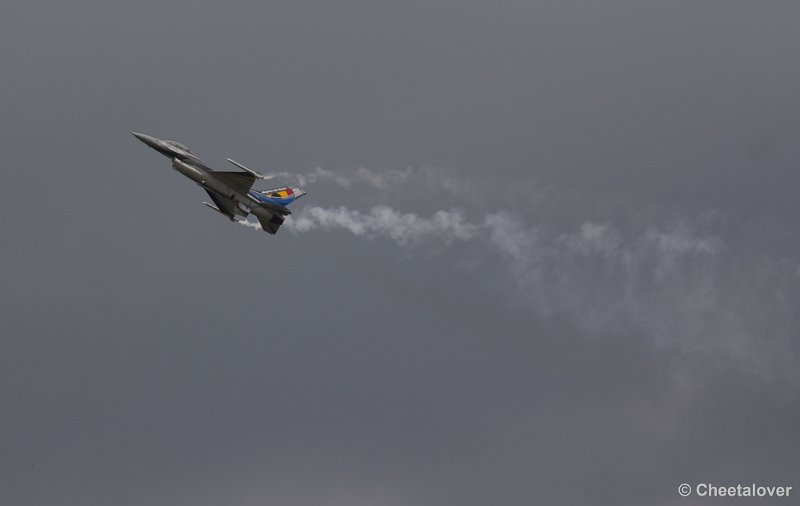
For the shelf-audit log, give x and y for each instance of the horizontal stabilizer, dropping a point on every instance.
(271, 224)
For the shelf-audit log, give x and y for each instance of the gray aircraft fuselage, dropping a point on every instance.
(196, 169)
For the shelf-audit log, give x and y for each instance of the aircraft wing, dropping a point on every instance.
(239, 181)
(224, 205)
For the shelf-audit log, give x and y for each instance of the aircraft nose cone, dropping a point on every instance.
(150, 141)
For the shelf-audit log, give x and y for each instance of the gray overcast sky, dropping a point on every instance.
(621, 318)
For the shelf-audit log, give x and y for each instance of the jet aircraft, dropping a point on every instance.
(230, 192)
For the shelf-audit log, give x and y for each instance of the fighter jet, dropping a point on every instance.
(230, 192)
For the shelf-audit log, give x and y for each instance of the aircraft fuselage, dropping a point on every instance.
(233, 192)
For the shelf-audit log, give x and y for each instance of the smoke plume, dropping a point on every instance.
(677, 284)
(437, 178)
(447, 226)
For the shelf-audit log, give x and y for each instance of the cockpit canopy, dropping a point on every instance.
(177, 145)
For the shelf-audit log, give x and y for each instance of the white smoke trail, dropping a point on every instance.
(384, 221)
(687, 292)
(436, 178)
(250, 224)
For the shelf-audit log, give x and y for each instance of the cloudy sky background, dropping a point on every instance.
(549, 253)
